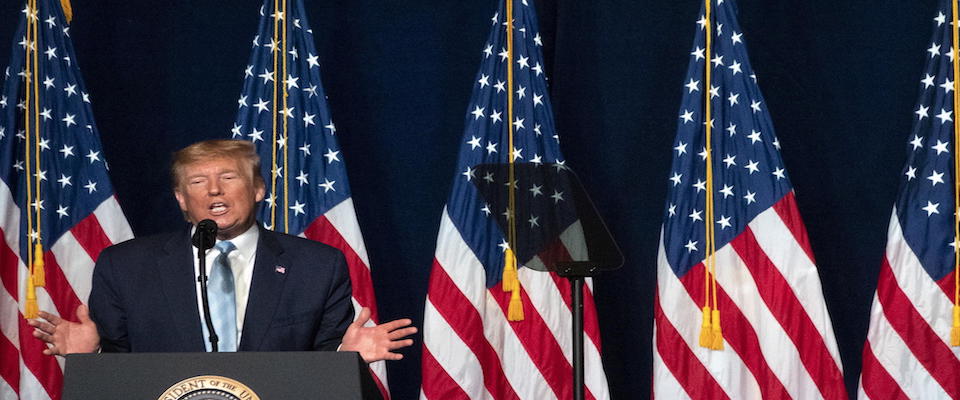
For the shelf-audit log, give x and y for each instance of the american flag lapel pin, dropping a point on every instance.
(281, 269)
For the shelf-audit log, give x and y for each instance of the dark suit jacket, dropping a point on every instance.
(144, 296)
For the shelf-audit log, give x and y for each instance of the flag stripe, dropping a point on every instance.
(45, 368)
(782, 302)
(540, 344)
(467, 275)
(322, 231)
(9, 226)
(518, 365)
(880, 385)
(560, 321)
(9, 274)
(788, 211)
(946, 284)
(784, 250)
(542, 289)
(343, 217)
(683, 314)
(555, 252)
(667, 385)
(9, 362)
(443, 386)
(469, 326)
(895, 357)
(7, 391)
(90, 236)
(456, 358)
(58, 288)
(591, 325)
(75, 264)
(740, 336)
(777, 350)
(916, 284)
(925, 344)
(8, 318)
(545, 289)
(456, 258)
(378, 371)
(384, 391)
(671, 348)
(899, 355)
(30, 387)
(112, 221)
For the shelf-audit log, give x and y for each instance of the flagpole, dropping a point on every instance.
(717, 334)
(286, 116)
(955, 329)
(273, 153)
(39, 275)
(31, 308)
(710, 334)
(510, 281)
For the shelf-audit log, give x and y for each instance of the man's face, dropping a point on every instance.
(220, 189)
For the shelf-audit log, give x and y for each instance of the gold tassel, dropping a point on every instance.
(67, 10)
(717, 333)
(706, 330)
(32, 309)
(955, 331)
(510, 282)
(39, 275)
(515, 311)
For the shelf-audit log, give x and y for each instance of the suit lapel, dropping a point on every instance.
(265, 289)
(178, 283)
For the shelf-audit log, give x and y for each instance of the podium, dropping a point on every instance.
(227, 376)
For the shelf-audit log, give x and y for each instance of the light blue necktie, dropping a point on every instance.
(223, 300)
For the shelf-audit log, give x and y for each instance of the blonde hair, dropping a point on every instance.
(241, 150)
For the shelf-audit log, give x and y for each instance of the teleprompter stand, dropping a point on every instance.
(552, 210)
(577, 272)
(241, 375)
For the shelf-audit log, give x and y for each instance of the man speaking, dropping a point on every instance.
(267, 291)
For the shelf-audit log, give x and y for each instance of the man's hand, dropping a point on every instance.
(65, 337)
(375, 343)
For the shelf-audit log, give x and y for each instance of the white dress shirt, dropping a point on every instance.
(241, 263)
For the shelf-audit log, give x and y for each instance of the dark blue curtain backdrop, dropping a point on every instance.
(840, 79)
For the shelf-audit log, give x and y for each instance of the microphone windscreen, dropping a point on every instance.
(205, 235)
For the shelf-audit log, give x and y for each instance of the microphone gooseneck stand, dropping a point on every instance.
(577, 272)
(204, 239)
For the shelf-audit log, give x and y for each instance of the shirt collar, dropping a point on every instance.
(246, 242)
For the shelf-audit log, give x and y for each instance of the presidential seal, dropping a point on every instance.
(208, 387)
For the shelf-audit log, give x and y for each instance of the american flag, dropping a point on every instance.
(296, 139)
(79, 214)
(470, 348)
(907, 353)
(779, 342)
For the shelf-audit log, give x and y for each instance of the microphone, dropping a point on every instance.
(203, 239)
(206, 235)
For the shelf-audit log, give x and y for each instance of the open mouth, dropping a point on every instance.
(218, 208)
